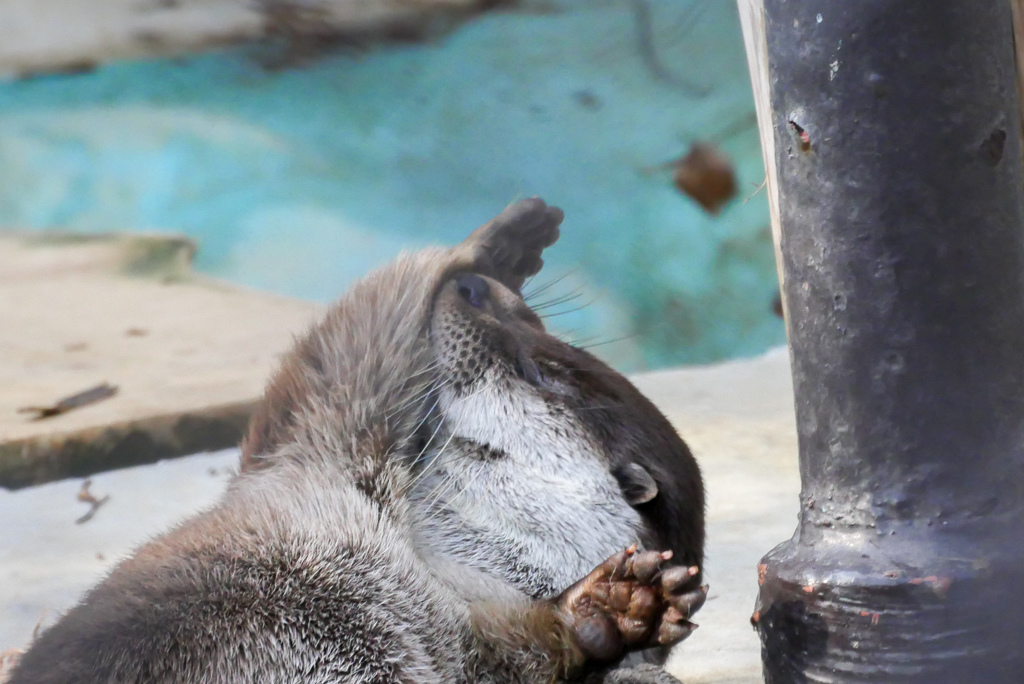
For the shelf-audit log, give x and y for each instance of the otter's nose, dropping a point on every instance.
(473, 289)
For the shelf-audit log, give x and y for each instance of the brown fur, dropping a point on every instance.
(315, 566)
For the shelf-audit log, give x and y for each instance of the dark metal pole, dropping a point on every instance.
(899, 164)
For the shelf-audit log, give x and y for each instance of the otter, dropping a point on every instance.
(433, 489)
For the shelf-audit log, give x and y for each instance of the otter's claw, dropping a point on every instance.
(629, 602)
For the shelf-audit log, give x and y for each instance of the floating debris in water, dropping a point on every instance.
(588, 100)
(705, 175)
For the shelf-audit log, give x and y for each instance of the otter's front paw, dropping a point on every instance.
(628, 602)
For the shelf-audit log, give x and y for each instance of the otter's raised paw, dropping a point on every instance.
(628, 602)
(509, 246)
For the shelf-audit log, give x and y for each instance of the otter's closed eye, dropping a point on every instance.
(473, 289)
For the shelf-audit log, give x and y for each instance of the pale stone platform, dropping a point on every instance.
(189, 355)
(76, 35)
(737, 417)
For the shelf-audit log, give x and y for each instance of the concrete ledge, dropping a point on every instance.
(189, 356)
(47, 457)
(74, 35)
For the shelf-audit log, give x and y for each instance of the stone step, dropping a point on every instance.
(188, 355)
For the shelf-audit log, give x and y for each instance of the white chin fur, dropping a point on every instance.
(550, 496)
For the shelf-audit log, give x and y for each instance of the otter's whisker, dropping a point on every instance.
(613, 340)
(421, 456)
(600, 407)
(429, 387)
(433, 497)
(573, 310)
(483, 497)
(527, 296)
(436, 457)
(558, 301)
(417, 398)
(566, 336)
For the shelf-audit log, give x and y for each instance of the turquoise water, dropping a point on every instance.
(300, 180)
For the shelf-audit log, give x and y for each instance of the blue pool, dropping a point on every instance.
(299, 180)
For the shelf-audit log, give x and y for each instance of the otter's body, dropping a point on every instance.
(427, 475)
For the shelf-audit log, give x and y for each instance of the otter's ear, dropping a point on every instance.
(508, 247)
(637, 484)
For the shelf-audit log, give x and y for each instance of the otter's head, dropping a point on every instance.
(433, 383)
(537, 459)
